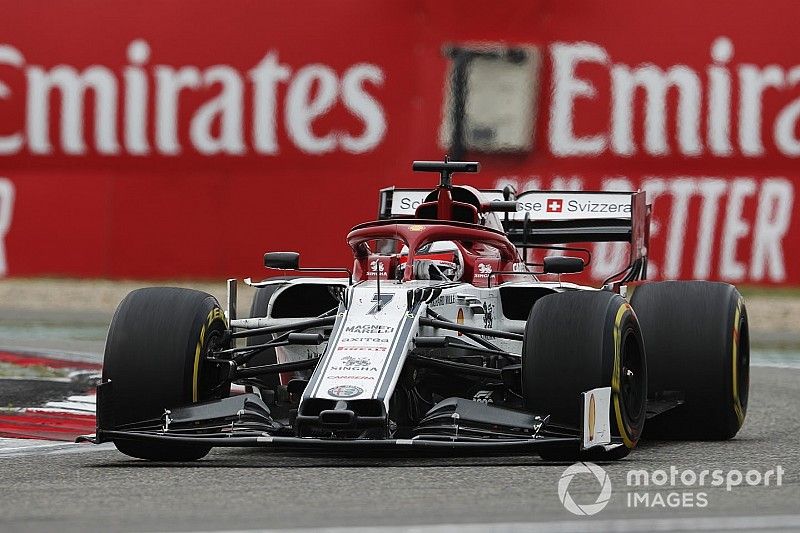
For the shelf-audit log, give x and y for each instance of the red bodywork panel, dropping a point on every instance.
(417, 233)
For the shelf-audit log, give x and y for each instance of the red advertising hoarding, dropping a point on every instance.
(184, 139)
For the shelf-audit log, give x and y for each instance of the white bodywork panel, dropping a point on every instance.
(358, 355)
(368, 345)
(365, 354)
(596, 418)
(455, 303)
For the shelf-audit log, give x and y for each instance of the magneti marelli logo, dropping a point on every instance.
(586, 509)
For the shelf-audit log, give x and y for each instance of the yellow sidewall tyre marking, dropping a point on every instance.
(214, 314)
(616, 374)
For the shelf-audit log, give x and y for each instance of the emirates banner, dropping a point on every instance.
(184, 139)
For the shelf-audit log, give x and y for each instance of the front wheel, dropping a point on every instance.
(155, 359)
(577, 341)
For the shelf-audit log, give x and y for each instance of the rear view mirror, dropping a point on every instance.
(282, 260)
(563, 265)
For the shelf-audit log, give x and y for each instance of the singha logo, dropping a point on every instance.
(355, 361)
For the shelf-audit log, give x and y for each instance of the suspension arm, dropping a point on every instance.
(441, 324)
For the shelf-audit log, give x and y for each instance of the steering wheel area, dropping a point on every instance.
(436, 270)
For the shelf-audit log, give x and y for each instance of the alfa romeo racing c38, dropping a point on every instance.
(443, 335)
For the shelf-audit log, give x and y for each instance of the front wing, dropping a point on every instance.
(245, 421)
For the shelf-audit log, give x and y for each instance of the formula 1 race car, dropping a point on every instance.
(442, 336)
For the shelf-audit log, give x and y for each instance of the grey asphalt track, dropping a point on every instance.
(231, 489)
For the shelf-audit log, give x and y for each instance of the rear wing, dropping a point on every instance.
(554, 217)
(560, 217)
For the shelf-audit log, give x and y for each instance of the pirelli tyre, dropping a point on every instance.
(576, 341)
(698, 349)
(155, 359)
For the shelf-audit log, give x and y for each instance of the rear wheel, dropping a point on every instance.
(698, 348)
(577, 341)
(155, 359)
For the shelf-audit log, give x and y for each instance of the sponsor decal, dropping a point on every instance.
(483, 396)
(586, 205)
(356, 361)
(381, 300)
(352, 377)
(364, 340)
(377, 269)
(460, 319)
(409, 203)
(554, 205)
(592, 417)
(406, 201)
(361, 348)
(345, 391)
(579, 206)
(416, 227)
(344, 368)
(573, 206)
(369, 328)
(484, 269)
(488, 315)
(445, 299)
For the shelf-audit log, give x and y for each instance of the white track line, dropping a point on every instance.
(10, 448)
(66, 407)
(633, 525)
(767, 364)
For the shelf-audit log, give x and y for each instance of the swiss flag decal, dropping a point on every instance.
(554, 205)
